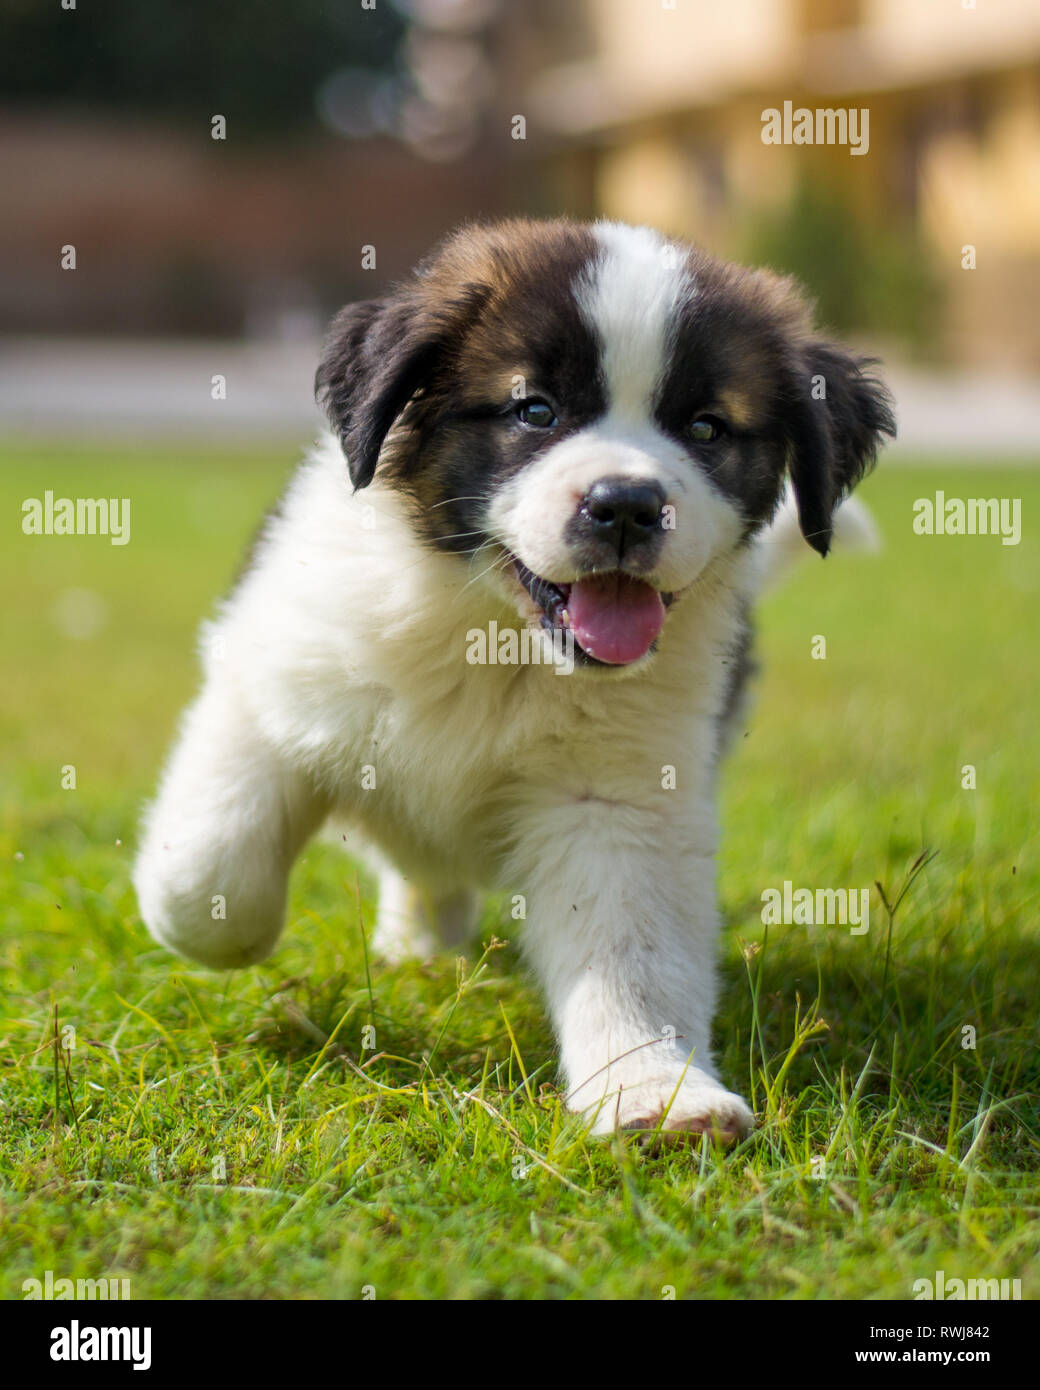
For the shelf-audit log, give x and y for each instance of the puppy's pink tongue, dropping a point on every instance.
(615, 618)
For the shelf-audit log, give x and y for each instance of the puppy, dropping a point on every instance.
(562, 433)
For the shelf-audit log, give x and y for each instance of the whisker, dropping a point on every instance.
(448, 501)
(457, 535)
(470, 551)
(498, 563)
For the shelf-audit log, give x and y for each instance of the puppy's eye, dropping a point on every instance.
(540, 414)
(706, 428)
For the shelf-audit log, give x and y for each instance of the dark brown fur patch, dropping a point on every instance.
(491, 315)
(458, 438)
(743, 350)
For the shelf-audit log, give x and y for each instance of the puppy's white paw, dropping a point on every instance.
(698, 1105)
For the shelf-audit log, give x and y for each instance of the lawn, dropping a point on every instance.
(316, 1128)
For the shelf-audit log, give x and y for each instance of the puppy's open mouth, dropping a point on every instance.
(615, 617)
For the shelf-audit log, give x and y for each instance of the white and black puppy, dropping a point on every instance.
(574, 432)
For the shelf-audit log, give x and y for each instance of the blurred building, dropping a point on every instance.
(354, 137)
(661, 121)
(176, 234)
(352, 129)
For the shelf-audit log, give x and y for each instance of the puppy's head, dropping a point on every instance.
(594, 416)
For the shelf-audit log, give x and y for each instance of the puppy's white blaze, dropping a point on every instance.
(629, 298)
(530, 514)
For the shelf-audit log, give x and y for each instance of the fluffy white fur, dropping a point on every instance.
(336, 683)
(344, 649)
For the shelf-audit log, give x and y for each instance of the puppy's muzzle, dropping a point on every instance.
(618, 522)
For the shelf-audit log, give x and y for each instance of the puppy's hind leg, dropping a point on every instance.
(221, 836)
(415, 923)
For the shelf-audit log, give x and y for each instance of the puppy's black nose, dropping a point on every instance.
(622, 511)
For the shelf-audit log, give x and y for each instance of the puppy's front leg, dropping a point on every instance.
(221, 836)
(621, 925)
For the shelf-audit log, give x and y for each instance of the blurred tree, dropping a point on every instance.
(254, 61)
(875, 277)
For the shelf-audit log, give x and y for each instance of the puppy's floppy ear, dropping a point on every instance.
(372, 364)
(839, 417)
(377, 355)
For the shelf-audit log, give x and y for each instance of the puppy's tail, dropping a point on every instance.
(781, 545)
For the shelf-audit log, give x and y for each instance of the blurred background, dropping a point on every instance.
(229, 173)
(140, 258)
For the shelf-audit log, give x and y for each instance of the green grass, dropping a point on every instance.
(438, 1162)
